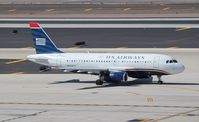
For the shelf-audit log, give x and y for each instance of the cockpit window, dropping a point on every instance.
(175, 61)
(171, 61)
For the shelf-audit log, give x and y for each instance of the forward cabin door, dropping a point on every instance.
(156, 62)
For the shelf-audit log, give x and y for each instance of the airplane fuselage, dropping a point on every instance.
(153, 63)
(111, 67)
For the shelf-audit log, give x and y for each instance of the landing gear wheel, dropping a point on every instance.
(99, 82)
(160, 82)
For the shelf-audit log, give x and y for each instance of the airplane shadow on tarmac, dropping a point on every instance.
(135, 82)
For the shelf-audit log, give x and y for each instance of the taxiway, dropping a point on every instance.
(106, 37)
(63, 97)
(75, 97)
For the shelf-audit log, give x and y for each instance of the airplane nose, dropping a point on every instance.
(181, 67)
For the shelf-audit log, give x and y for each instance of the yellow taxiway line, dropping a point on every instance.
(12, 10)
(167, 8)
(126, 9)
(181, 29)
(18, 73)
(16, 61)
(88, 9)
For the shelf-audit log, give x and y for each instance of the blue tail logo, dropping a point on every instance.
(42, 42)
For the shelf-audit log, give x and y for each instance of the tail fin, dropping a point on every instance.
(42, 42)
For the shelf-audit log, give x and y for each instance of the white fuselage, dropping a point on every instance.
(108, 61)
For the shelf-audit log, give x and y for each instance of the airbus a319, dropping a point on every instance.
(110, 67)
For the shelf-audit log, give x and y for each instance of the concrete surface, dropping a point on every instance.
(97, 1)
(99, 10)
(62, 97)
(56, 98)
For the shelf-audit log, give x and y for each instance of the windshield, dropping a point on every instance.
(171, 61)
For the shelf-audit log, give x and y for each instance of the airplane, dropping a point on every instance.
(110, 67)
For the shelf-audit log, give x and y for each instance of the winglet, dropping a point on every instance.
(33, 25)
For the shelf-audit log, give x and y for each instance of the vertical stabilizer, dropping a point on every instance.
(42, 42)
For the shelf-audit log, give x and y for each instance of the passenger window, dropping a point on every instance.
(167, 61)
(171, 61)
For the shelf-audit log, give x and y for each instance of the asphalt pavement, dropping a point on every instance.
(105, 37)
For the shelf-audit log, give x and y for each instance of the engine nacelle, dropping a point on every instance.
(116, 76)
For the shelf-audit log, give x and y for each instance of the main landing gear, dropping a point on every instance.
(100, 81)
(159, 79)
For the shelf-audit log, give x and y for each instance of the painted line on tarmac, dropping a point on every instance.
(27, 115)
(182, 29)
(16, 61)
(49, 10)
(111, 105)
(174, 115)
(26, 48)
(126, 9)
(149, 99)
(17, 73)
(88, 9)
(12, 10)
(167, 8)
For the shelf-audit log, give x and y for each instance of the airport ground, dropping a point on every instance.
(62, 97)
(29, 95)
(106, 37)
(57, 98)
(98, 10)
(75, 97)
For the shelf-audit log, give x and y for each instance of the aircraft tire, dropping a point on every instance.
(99, 82)
(160, 82)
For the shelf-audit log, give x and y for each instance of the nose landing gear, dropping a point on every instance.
(159, 79)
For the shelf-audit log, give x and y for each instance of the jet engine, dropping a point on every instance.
(116, 76)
